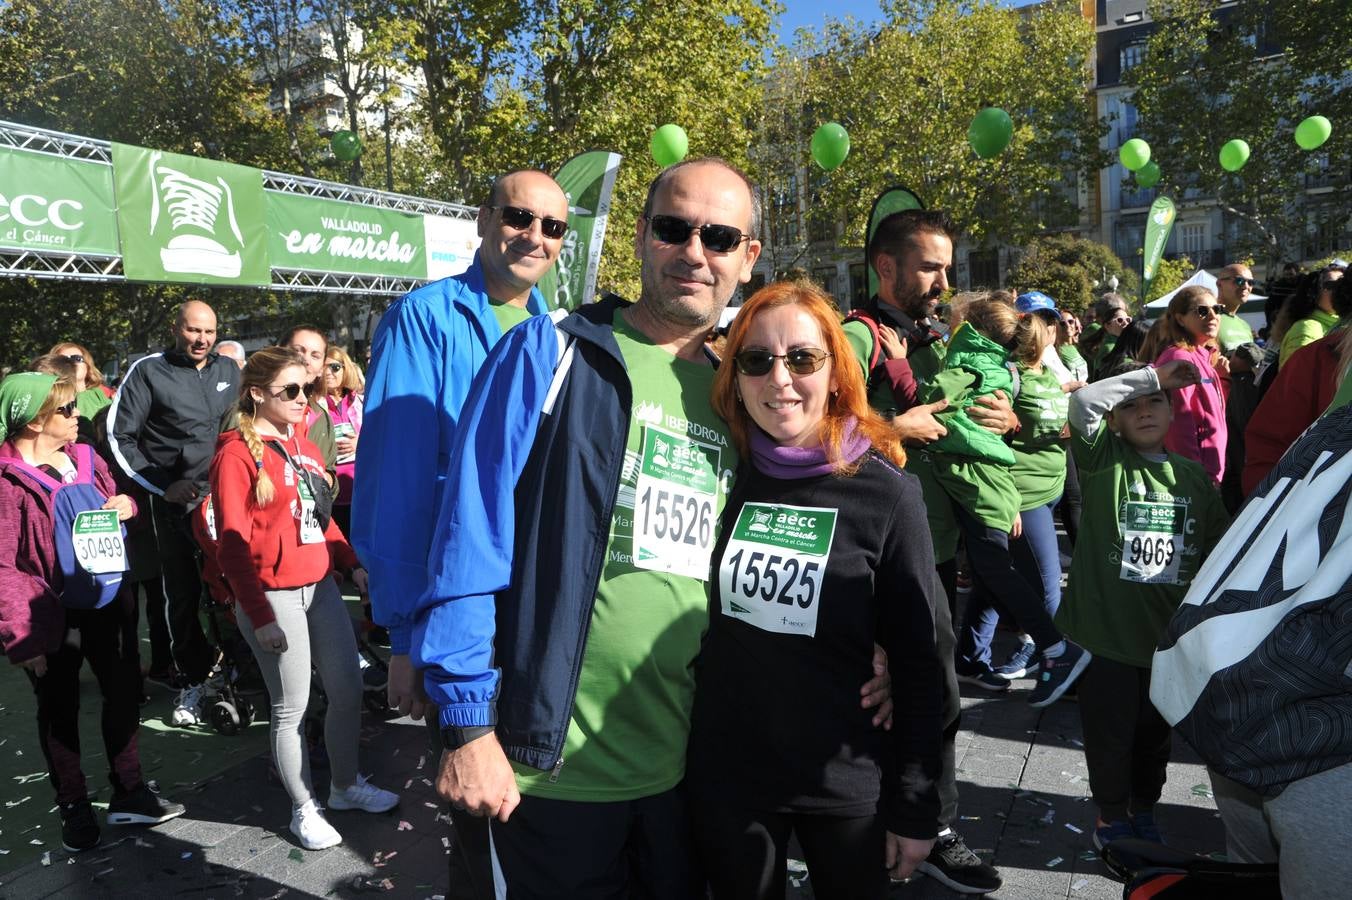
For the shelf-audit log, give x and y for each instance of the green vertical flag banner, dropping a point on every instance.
(1157, 227)
(187, 219)
(57, 205)
(893, 200)
(313, 233)
(588, 179)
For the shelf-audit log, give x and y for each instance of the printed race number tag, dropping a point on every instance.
(675, 504)
(1152, 542)
(97, 536)
(772, 569)
(310, 532)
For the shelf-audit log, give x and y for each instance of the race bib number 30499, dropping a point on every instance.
(97, 536)
(675, 504)
(772, 570)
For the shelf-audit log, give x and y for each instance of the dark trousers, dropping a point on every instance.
(470, 861)
(1070, 504)
(946, 642)
(181, 577)
(992, 563)
(1126, 740)
(103, 638)
(161, 656)
(744, 853)
(597, 851)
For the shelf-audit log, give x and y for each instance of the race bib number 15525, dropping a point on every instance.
(773, 567)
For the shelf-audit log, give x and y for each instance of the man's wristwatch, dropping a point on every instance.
(453, 738)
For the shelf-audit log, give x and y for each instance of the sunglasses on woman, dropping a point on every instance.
(335, 368)
(676, 231)
(520, 219)
(1205, 311)
(799, 361)
(68, 410)
(75, 357)
(290, 392)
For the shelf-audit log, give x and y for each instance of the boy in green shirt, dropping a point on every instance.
(1150, 517)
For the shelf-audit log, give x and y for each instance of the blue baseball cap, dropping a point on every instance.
(1034, 301)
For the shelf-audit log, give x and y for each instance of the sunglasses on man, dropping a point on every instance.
(676, 231)
(799, 361)
(1241, 281)
(520, 219)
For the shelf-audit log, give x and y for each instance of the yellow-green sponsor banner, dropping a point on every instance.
(322, 235)
(186, 219)
(57, 205)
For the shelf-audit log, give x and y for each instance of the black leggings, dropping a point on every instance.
(744, 853)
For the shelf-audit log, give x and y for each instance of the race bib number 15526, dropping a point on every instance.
(675, 504)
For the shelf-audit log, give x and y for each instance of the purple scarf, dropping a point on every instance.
(779, 461)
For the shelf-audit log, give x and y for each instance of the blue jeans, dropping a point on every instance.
(1036, 560)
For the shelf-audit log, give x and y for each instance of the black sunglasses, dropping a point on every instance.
(68, 410)
(799, 361)
(75, 357)
(1240, 281)
(519, 218)
(335, 368)
(718, 238)
(1206, 311)
(290, 392)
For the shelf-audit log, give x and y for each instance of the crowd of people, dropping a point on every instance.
(667, 595)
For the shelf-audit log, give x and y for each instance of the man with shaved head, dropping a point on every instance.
(1234, 284)
(426, 352)
(162, 430)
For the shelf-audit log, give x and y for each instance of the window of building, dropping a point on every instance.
(785, 212)
(826, 277)
(983, 268)
(1131, 55)
(1192, 242)
(858, 285)
(1128, 236)
(1328, 230)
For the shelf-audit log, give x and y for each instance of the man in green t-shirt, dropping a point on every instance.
(1234, 284)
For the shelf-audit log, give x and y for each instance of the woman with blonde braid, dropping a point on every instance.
(277, 548)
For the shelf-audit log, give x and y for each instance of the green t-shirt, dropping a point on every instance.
(1039, 468)
(631, 717)
(508, 314)
(90, 401)
(1145, 529)
(1070, 355)
(1306, 331)
(1233, 333)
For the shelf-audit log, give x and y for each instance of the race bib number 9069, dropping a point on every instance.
(772, 569)
(675, 504)
(1152, 542)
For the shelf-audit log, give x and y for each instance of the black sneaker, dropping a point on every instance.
(1058, 674)
(79, 828)
(170, 678)
(142, 806)
(1023, 662)
(981, 675)
(959, 869)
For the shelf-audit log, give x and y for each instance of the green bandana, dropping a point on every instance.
(21, 396)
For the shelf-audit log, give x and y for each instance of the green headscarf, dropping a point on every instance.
(21, 396)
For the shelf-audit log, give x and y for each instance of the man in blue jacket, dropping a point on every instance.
(427, 350)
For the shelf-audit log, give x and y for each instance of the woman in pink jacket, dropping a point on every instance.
(1188, 331)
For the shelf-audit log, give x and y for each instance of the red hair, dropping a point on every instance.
(850, 400)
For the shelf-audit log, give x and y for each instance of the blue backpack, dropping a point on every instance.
(90, 542)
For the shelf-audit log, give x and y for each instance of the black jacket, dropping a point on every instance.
(163, 423)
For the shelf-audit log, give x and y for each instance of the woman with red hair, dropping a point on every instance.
(824, 550)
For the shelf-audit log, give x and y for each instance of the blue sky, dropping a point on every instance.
(811, 13)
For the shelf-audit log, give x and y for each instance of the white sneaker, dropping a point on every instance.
(364, 796)
(188, 706)
(313, 830)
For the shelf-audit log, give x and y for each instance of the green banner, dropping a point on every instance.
(54, 204)
(1157, 227)
(189, 220)
(893, 200)
(588, 179)
(334, 236)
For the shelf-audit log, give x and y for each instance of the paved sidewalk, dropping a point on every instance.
(1021, 771)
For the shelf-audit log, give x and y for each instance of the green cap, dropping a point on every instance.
(21, 396)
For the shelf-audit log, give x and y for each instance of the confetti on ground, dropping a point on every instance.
(1053, 863)
(1074, 829)
(429, 805)
(1088, 856)
(1049, 817)
(4, 852)
(446, 842)
(404, 826)
(186, 854)
(1077, 742)
(1028, 842)
(296, 856)
(107, 871)
(1079, 884)
(47, 858)
(421, 761)
(1202, 790)
(408, 784)
(10, 804)
(970, 818)
(141, 843)
(36, 842)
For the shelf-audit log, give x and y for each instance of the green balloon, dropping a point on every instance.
(346, 145)
(1234, 155)
(1134, 154)
(830, 145)
(1148, 175)
(1312, 132)
(990, 131)
(669, 145)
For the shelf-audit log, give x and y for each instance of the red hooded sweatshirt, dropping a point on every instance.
(260, 548)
